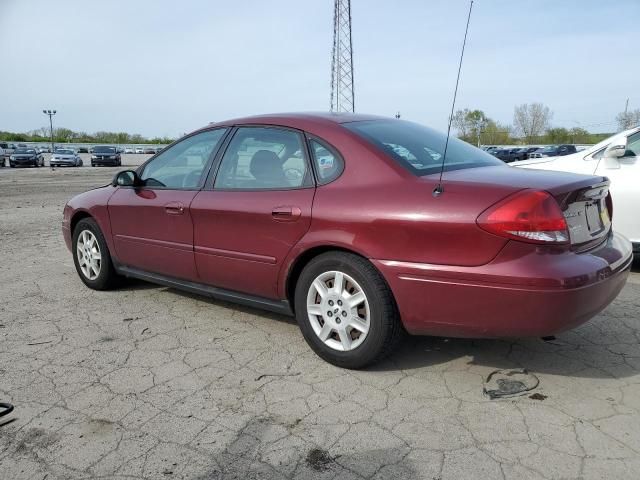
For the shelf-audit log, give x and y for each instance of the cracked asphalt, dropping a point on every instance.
(148, 382)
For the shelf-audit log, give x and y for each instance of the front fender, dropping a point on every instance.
(93, 203)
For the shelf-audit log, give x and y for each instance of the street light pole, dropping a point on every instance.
(51, 113)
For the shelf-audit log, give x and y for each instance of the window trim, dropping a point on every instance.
(307, 182)
(207, 167)
(334, 151)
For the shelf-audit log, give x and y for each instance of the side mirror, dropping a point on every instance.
(126, 178)
(615, 151)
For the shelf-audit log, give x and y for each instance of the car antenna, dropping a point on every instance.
(439, 189)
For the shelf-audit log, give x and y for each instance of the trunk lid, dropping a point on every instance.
(582, 198)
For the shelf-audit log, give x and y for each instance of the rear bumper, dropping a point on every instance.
(521, 293)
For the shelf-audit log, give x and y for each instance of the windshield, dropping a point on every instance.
(104, 150)
(25, 150)
(64, 152)
(419, 148)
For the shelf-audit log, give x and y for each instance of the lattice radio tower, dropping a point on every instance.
(342, 59)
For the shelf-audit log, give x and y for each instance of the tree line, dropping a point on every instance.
(531, 125)
(65, 135)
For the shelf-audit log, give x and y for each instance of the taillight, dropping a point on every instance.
(530, 216)
(609, 202)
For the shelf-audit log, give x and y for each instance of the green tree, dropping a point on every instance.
(496, 134)
(470, 124)
(558, 135)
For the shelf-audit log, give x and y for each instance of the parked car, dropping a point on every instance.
(128, 150)
(617, 158)
(529, 151)
(285, 212)
(83, 149)
(25, 157)
(139, 150)
(65, 157)
(105, 156)
(151, 150)
(553, 151)
(8, 148)
(506, 154)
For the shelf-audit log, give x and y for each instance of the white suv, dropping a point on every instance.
(617, 157)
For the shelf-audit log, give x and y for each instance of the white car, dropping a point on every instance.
(128, 150)
(139, 150)
(618, 158)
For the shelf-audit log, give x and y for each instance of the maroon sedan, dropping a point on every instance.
(340, 220)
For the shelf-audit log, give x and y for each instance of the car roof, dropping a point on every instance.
(298, 119)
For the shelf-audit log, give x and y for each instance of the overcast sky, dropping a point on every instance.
(164, 67)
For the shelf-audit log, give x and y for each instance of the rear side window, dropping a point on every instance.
(420, 149)
(328, 163)
(263, 158)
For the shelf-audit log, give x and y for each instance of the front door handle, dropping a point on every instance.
(286, 213)
(174, 208)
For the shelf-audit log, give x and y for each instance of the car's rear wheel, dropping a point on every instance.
(91, 256)
(346, 310)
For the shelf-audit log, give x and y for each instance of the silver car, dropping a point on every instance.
(65, 157)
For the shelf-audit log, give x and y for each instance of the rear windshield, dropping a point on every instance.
(104, 150)
(419, 148)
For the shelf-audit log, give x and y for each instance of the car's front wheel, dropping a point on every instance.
(91, 256)
(346, 310)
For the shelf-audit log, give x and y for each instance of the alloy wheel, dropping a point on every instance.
(338, 310)
(89, 256)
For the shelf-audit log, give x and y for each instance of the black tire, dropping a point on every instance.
(107, 278)
(93, 164)
(385, 329)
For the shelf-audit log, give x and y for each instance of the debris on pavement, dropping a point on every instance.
(509, 383)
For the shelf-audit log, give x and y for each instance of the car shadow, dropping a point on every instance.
(598, 349)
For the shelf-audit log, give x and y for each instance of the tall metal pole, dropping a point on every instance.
(51, 113)
(342, 84)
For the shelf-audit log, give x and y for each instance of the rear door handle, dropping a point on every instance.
(286, 213)
(174, 208)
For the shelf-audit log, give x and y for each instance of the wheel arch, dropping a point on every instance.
(76, 217)
(302, 260)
